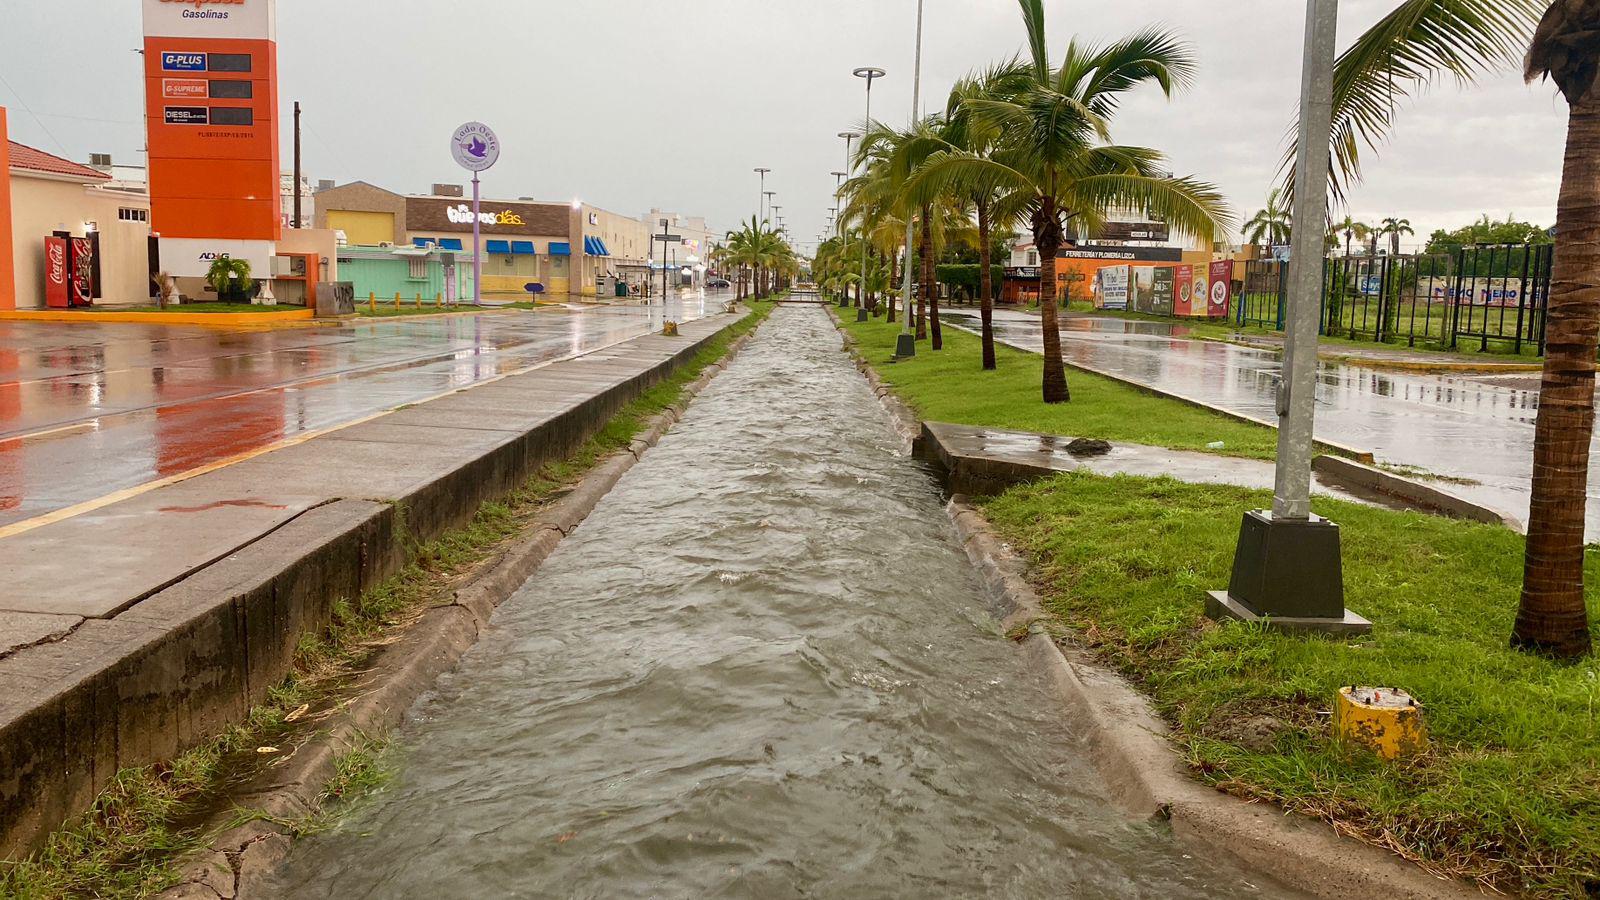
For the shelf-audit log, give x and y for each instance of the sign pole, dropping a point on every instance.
(477, 243)
(476, 149)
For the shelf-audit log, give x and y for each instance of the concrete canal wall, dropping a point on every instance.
(139, 662)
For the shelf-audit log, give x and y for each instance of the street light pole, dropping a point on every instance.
(761, 198)
(906, 344)
(839, 220)
(870, 73)
(1287, 568)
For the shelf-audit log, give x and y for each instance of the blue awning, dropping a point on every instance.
(588, 246)
(523, 248)
(497, 247)
(604, 250)
(560, 249)
(595, 247)
(450, 244)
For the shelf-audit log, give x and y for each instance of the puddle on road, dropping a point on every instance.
(762, 668)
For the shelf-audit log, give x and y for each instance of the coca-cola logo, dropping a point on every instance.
(56, 253)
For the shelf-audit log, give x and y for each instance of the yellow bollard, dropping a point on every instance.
(419, 300)
(372, 300)
(670, 329)
(438, 301)
(1386, 721)
(396, 299)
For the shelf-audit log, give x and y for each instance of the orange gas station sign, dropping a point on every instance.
(211, 89)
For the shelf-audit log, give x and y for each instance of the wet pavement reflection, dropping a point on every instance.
(1450, 425)
(762, 668)
(90, 409)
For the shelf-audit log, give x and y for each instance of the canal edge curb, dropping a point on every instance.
(1131, 748)
(242, 857)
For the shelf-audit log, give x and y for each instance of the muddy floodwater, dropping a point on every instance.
(762, 668)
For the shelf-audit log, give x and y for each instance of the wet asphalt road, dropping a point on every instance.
(1452, 425)
(92, 409)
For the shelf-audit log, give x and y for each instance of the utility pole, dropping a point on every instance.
(1287, 569)
(906, 344)
(297, 164)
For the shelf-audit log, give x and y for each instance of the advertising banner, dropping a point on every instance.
(1144, 290)
(1112, 291)
(1221, 289)
(1163, 288)
(1183, 288)
(56, 292)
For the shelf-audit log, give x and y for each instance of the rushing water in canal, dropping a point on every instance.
(762, 668)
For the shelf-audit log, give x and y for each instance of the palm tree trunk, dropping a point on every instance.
(893, 266)
(1552, 617)
(985, 285)
(929, 301)
(1047, 237)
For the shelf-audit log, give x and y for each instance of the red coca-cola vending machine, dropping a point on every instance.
(57, 293)
(69, 271)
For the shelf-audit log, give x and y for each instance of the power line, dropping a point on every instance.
(29, 110)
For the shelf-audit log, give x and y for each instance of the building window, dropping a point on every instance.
(131, 214)
(1033, 257)
(419, 267)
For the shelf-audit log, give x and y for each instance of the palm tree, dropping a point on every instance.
(1054, 160)
(967, 134)
(873, 197)
(1394, 228)
(1352, 231)
(1552, 617)
(1270, 225)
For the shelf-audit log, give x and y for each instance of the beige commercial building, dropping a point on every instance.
(51, 195)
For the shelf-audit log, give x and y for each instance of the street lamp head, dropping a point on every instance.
(837, 174)
(762, 171)
(869, 73)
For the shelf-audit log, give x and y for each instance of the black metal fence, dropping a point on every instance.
(1470, 299)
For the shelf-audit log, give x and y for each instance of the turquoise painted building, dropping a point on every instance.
(407, 271)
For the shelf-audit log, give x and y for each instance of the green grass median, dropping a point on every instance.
(1509, 792)
(950, 386)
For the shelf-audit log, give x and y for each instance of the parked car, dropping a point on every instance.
(718, 284)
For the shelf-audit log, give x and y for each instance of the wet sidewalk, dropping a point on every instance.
(1477, 434)
(763, 668)
(92, 409)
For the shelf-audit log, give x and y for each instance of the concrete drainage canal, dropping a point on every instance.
(762, 668)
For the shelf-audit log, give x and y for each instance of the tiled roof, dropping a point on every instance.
(25, 157)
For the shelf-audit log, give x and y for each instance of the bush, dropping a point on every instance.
(964, 278)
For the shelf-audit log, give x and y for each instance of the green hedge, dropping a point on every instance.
(963, 277)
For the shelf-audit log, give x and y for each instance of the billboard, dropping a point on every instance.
(1220, 294)
(1143, 291)
(1111, 287)
(1163, 287)
(211, 93)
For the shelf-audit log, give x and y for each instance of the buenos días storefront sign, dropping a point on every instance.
(497, 217)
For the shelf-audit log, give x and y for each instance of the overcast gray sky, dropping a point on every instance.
(637, 103)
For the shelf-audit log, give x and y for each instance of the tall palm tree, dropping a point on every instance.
(1271, 224)
(1352, 231)
(970, 135)
(1054, 156)
(1552, 617)
(1394, 228)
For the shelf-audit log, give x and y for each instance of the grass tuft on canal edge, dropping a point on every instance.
(1508, 794)
(134, 839)
(950, 386)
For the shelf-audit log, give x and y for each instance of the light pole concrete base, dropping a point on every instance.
(862, 315)
(905, 346)
(1287, 572)
(1220, 606)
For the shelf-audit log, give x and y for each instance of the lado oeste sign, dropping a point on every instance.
(475, 147)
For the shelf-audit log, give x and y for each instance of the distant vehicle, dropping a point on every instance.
(718, 284)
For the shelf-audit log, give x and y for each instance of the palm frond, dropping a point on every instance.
(1405, 52)
(1187, 205)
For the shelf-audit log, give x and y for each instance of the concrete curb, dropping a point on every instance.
(1419, 494)
(905, 421)
(1132, 750)
(238, 863)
